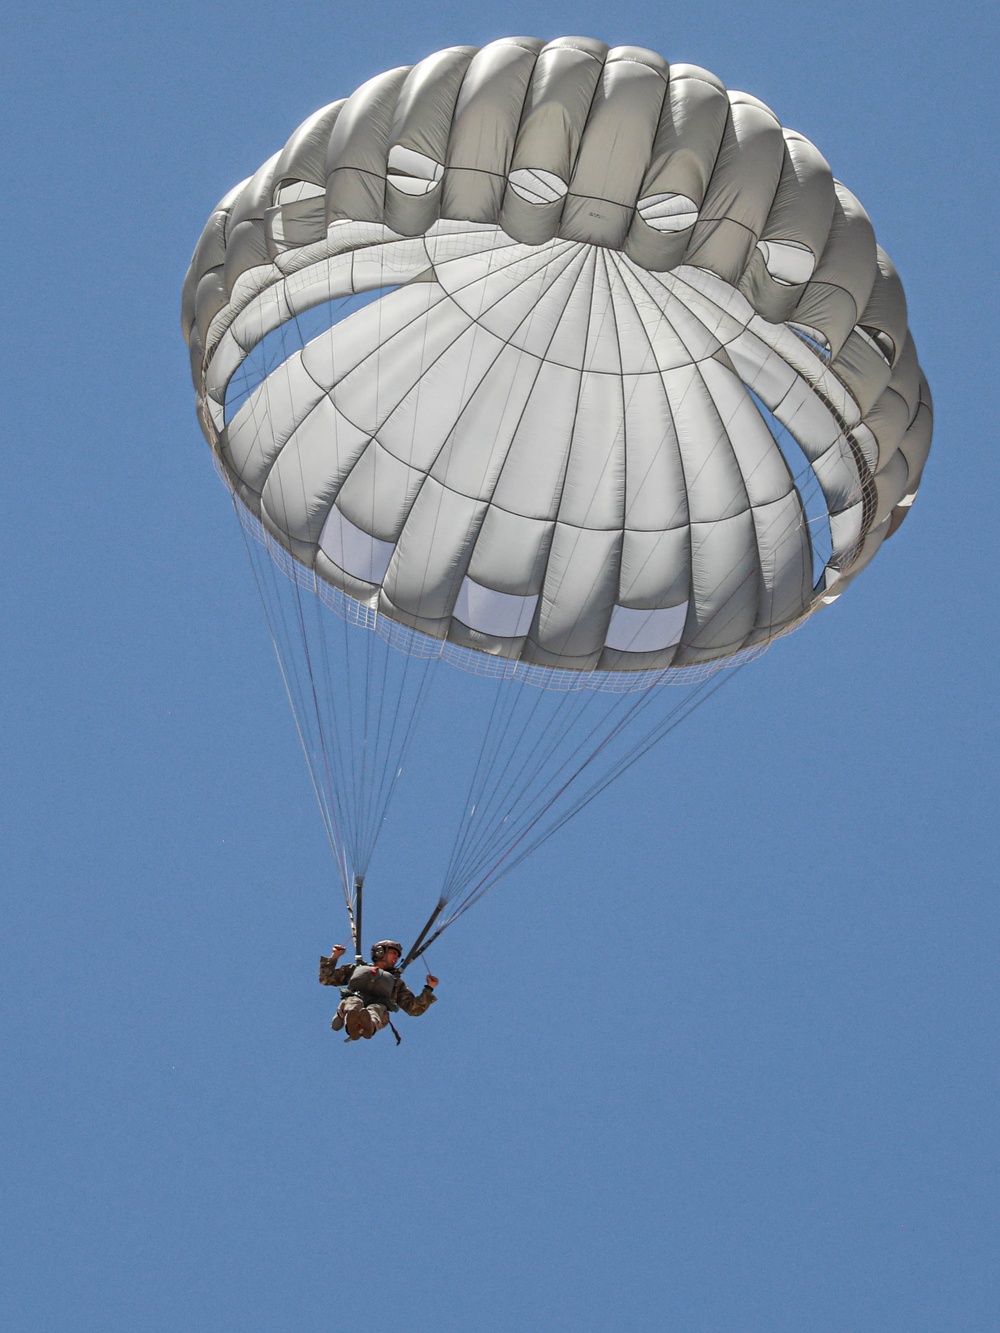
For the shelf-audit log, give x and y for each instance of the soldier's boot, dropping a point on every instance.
(338, 1021)
(368, 1025)
(356, 1024)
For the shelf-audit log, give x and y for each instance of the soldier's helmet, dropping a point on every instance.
(380, 950)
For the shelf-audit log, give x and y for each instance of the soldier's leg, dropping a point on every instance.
(340, 1016)
(355, 1015)
(379, 1017)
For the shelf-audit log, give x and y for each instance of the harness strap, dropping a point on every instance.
(399, 1039)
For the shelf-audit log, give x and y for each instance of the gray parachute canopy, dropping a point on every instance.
(561, 354)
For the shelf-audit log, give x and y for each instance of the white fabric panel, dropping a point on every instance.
(307, 474)
(355, 551)
(891, 483)
(709, 297)
(808, 419)
(417, 429)
(765, 473)
(383, 324)
(655, 488)
(646, 631)
(655, 345)
(593, 494)
(867, 443)
(715, 488)
(524, 302)
(700, 332)
(511, 552)
(568, 345)
(432, 553)
(741, 191)
(333, 355)
(761, 369)
(656, 568)
(294, 192)
(268, 313)
(789, 262)
(522, 298)
(784, 551)
(537, 186)
(864, 368)
(642, 332)
(687, 141)
(803, 205)
(812, 367)
(602, 349)
(837, 473)
(260, 428)
(474, 452)
(845, 528)
(490, 612)
(484, 127)
(531, 480)
(556, 106)
(378, 493)
(369, 395)
(580, 589)
(668, 212)
(725, 582)
(319, 282)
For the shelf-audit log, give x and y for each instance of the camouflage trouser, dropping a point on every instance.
(378, 1012)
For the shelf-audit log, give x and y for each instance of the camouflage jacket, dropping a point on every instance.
(402, 996)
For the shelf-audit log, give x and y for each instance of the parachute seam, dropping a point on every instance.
(529, 639)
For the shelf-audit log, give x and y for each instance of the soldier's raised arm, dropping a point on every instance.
(329, 973)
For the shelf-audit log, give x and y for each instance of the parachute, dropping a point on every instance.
(561, 365)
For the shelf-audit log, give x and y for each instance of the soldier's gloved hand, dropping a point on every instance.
(337, 951)
(431, 981)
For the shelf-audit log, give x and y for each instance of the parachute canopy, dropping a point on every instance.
(561, 354)
(564, 364)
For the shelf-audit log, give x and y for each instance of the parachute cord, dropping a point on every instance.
(661, 729)
(395, 749)
(543, 757)
(492, 734)
(468, 845)
(317, 709)
(328, 815)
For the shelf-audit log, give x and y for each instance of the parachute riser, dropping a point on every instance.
(421, 942)
(355, 916)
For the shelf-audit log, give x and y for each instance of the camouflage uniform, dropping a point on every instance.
(402, 997)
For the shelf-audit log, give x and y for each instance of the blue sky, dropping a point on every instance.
(723, 1057)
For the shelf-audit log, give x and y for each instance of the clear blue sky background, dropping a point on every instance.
(723, 1058)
